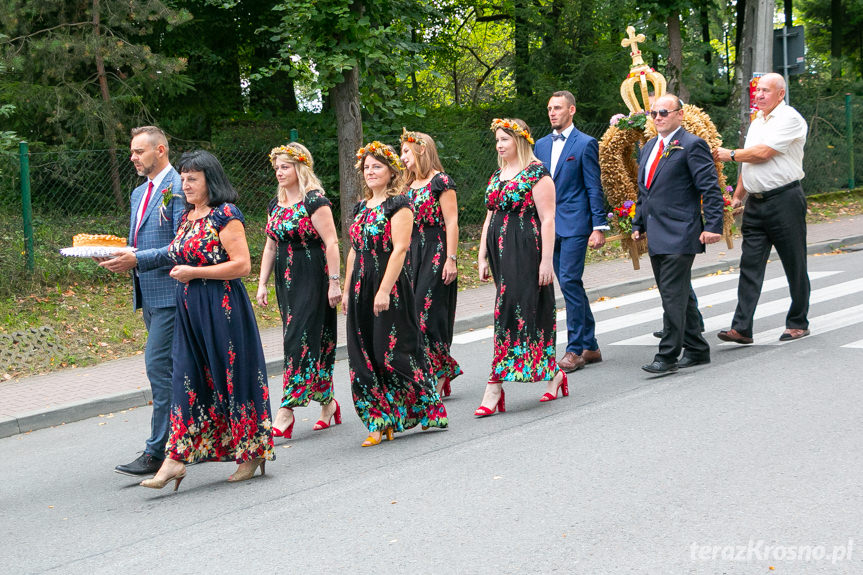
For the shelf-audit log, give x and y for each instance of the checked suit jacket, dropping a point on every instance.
(580, 203)
(153, 286)
(670, 211)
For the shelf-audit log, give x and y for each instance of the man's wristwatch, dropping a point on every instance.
(732, 155)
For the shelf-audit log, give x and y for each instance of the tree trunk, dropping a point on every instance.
(521, 39)
(456, 89)
(705, 39)
(108, 118)
(346, 101)
(755, 53)
(836, 38)
(675, 58)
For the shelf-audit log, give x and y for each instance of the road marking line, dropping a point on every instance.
(817, 325)
(723, 321)
(855, 344)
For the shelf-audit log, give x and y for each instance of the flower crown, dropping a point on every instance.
(411, 137)
(380, 151)
(292, 153)
(497, 123)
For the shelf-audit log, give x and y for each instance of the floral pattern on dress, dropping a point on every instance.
(435, 300)
(302, 284)
(220, 409)
(524, 313)
(391, 380)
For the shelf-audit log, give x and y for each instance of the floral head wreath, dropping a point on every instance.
(497, 124)
(411, 137)
(292, 153)
(382, 152)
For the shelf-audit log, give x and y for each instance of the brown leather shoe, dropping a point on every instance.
(591, 356)
(735, 336)
(570, 362)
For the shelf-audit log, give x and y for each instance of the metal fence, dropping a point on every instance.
(85, 191)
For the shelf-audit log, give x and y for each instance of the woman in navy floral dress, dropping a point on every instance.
(392, 384)
(434, 243)
(220, 409)
(518, 240)
(303, 246)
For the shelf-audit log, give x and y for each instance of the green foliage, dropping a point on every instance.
(52, 51)
(332, 36)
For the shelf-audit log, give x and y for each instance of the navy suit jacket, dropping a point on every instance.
(670, 211)
(580, 202)
(153, 286)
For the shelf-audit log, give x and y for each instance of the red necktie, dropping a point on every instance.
(146, 201)
(654, 164)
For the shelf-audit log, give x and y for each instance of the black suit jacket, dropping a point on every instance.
(670, 211)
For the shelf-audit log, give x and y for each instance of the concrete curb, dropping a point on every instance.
(11, 425)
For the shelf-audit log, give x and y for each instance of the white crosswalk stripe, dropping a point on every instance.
(651, 317)
(767, 309)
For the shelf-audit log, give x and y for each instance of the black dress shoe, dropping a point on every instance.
(659, 334)
(660, 367)
(146, 464)
(687, 361)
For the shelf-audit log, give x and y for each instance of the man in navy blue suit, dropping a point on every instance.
(676, 175)
(572, 158)
(157, 208)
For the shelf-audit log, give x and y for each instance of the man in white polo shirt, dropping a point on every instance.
(775, 215)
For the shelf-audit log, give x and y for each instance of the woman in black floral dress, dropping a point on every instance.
(303, 246)
(518, 240)
(392, 384)
(220, 409)
(434, 243)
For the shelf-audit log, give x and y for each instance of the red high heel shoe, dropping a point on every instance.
(337, 414)
(446, 391)
(287, 432)
(563, 385)
(483, 411)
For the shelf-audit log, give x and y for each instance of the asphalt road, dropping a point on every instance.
(731, 467)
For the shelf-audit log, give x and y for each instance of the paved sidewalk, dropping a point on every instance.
(73, 394)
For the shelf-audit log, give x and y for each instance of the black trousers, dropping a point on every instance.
(681, 319)
(778, 221)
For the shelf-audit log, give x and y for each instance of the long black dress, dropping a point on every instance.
(524, 313)
(391, 381)
(220, 409)
(309, 322)
(435, 301)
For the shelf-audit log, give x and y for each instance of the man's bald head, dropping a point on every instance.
(769, 92)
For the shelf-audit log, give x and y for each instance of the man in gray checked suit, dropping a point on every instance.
(151, 228)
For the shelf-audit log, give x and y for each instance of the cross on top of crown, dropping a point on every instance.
(632, 39)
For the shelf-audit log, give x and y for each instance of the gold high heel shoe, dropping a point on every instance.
(250, 471)
(154, 483)
(372, 440)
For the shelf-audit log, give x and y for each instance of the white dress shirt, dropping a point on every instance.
(655, 150)
(557, 148)
(784, 130)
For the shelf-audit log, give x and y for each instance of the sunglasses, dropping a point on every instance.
(662, 113)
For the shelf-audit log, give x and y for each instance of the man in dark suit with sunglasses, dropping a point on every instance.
(676, 176)
(572, 158)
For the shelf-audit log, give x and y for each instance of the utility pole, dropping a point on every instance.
(756, 52)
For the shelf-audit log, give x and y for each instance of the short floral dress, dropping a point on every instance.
(220, 409)
(435, 301)
(309, 323)
(524, 313)
(391, 381)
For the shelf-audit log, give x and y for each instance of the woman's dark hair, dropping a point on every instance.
(219, 189)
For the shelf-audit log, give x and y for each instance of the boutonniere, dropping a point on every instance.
(674, 145)
(167, 196)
